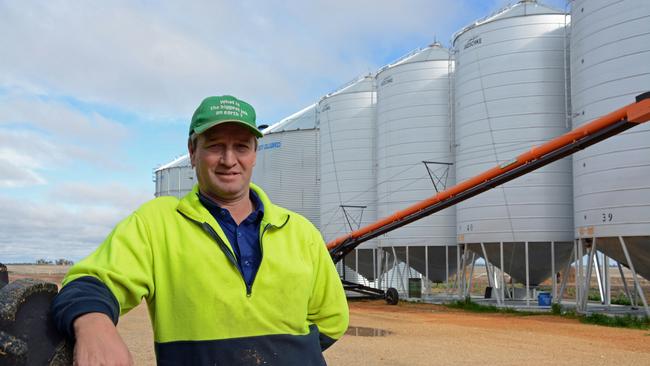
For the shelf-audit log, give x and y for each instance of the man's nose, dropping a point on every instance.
(228, 158)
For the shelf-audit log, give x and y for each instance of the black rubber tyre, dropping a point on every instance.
(392, 297)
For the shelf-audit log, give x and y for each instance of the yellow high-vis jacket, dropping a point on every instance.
(174, 254)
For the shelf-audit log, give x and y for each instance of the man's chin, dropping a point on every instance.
(227, 191)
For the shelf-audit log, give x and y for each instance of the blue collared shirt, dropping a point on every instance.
(244, 238)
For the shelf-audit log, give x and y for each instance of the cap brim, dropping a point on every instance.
(206, 126)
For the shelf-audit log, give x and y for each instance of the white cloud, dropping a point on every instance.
(22, 155)
(16, 175)
(59, 119)
(161, 58)
(38, 136)
(113, 194)
(75, 220)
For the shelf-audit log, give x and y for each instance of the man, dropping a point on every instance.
(229, 278)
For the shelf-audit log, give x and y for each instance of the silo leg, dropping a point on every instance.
(554, 276)
(634, 277)
(565, 277)
(627, 289)
(587, 283)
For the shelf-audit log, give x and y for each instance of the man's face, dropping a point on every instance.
(224, 157)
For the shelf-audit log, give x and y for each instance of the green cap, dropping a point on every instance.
(226, 108)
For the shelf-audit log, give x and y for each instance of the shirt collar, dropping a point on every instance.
(258, 210)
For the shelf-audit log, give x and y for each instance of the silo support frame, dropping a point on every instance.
(462, 272)
(426, 282)
(585, 282)
(635, 278)
(455, 285)
(565, 277)
(600, 279)
(578, 274)
(491, 276)
(607, 280)
(503, 273)
(467, 290)
(625, 286)
(588, 246)
(446, 267)
(527, 276)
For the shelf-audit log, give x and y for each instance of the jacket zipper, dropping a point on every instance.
(231, 257)
(228, 253)
(250, 288)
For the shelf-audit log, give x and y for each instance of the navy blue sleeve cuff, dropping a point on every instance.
(81, 296)
(325, 341)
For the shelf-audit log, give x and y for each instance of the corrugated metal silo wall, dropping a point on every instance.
(414, 125)
(510, 95)
(287, 168)
(610, 65)
(175, 180)
(348, 174)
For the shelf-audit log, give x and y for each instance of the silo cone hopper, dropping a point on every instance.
(365, 261)
(429, 261)
(514, 259)
(638, 248)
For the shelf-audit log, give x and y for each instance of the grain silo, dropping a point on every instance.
(175, 178)
(415, 157)
(348, 192)
(510, 94)
(610, 65)
(287, 165)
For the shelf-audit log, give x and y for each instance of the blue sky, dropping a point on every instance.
(94, 95)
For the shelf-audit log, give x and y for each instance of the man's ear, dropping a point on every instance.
(190, 150)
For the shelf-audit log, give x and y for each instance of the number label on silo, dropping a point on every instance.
(607, 216)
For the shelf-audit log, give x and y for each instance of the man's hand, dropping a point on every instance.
(98, 342)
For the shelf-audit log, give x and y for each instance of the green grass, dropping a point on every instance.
(626, 321)
(621, 299)
(556, 309)
(618, 299)
(468, 305)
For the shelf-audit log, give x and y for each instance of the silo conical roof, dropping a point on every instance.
(434, 52)
(361, 84)
(522, 8)
(181, 161)
(301, 120)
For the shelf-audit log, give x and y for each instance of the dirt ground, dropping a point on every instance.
(422, 334)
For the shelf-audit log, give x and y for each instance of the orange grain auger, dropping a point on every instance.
(537, 157)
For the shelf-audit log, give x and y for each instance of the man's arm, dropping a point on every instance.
(109, 282)
(81, 296)
(98, 342)
(328, 306)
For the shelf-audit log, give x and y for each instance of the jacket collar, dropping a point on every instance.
(191, 207)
